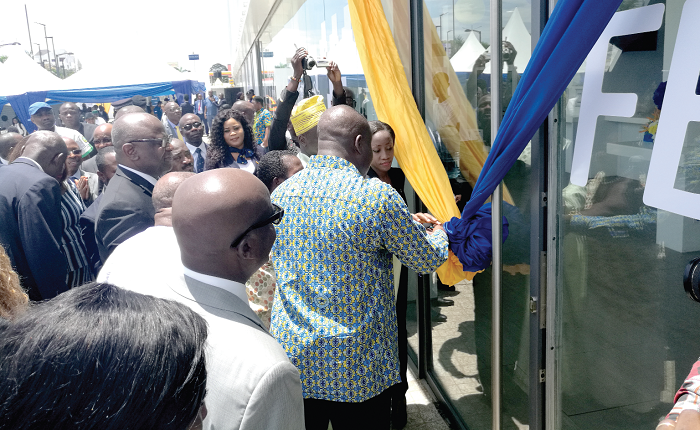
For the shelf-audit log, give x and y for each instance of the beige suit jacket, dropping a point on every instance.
(251, 384)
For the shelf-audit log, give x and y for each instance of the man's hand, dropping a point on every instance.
(509, 53)
(83, 188)
(335, 77)
(480, 64)
(296, 62)
(424, 218)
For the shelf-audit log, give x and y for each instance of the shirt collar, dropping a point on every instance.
(38, 166)
(331, 162)
(172, 124)
(233, 287)
(145, 176)
(193, 148)
(4, 161)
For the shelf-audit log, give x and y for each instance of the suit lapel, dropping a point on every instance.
(216, 298)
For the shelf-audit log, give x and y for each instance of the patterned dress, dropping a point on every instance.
(72, 242)
(334, 310)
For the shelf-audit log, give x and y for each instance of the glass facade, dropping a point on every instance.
(624, 344)
(610, 248)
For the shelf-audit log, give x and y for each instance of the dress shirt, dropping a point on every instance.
(334, 311)
(38, 166)
(233, 287)
(193, 149)
(3, 161)
(145, 176)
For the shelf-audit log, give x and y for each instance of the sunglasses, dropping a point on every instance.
(163, 143)
(188, 127)
(274, 219)
(75, 152)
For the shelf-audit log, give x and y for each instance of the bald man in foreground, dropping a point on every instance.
(334, 310)
(223, 221)
(30, 209)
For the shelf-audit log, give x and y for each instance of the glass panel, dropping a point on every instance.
(458, 111)
(624, 343)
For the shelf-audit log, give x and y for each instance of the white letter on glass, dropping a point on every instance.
(593, 101)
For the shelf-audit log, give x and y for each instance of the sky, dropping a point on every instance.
(100, 34)
(473, 14)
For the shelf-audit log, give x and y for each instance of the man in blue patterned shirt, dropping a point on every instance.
(334, 309)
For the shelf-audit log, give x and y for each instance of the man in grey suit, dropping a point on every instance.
(223, 226)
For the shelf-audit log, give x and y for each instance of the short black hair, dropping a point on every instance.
(272, 166)
(186, 97)
(259, 100)
(98, 356)
(101, 155)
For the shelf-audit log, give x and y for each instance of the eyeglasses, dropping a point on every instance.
(176, 110)
(105, 139)
(163, 143)
(188, 127)
(75, 152)
(274, 219)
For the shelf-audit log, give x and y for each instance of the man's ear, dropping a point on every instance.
(58, 159)
(358, 144)
(101, 176)
(276, 182)
(245, 249)
(130, 151)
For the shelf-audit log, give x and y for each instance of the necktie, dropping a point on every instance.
(199, 164)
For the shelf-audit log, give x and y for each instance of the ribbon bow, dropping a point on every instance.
(242, 154)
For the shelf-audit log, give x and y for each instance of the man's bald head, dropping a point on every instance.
(49, 150)
(7, 142)
(163, 194)
(102, 137)
(211, 211)
(137, 140)
(173, 112)
(344, 133)
(246, 108)
(126, 110)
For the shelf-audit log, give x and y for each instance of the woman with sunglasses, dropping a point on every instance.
(232, 143)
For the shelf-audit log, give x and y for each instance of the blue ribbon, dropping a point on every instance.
(242, 154)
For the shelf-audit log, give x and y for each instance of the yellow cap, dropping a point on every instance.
(306, 114)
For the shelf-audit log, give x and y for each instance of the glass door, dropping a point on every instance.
(625, 157)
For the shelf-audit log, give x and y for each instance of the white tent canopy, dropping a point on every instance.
(516, 33)
(464, 59)
(107, 73)
(20, 74)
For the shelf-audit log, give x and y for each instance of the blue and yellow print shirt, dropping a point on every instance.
(334, 310)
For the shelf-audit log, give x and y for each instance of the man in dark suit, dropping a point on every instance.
(143, 153)
(30, 209)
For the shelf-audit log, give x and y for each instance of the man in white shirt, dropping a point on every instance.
(42, 116)
(143, 153)
(251, 384)
(192, 129)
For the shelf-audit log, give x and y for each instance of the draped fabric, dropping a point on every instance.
(572, 30)
(394, 103)
(20, 104)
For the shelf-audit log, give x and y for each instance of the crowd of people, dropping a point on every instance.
(207, 266)
(231, 266)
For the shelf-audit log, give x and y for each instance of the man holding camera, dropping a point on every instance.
(289, 96)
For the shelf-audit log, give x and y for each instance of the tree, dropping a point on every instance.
(455, 44)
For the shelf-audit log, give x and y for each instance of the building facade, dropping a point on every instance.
(595, 326)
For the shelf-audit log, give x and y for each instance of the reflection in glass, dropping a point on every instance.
(625, 344)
